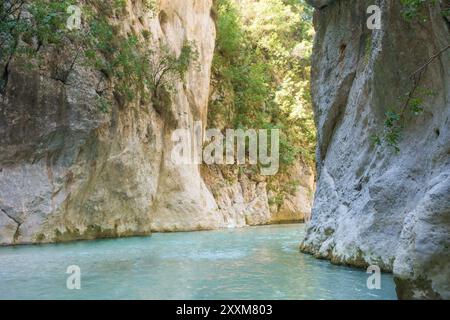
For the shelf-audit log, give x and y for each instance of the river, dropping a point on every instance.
(248, 263)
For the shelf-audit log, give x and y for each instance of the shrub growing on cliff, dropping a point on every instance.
(411, 8)
(133, 72)
(137, 71)
(412, 104)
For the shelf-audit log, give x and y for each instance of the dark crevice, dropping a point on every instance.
(335, 115)
(438, 132)
(4, 80)
(342, 49)
(12, 218)
(17, 232)
(66, 73)
(447, 21)
(445, 9)
(5, 74)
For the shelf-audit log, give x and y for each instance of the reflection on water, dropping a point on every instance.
(251, 263)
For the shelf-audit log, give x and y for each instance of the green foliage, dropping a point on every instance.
(446, 13)
(175, 66)
(135, 71)
(47, 27)
(277, 200)
(392, 129)
(291, 186)
(412, 9)
(11, 26)
(50, 18)
(394, 123)
(368, 49)
(413, 102)
(103, 104)
(150, 5)
(261, 72)
(229, 35)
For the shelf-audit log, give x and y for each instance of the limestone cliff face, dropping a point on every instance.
(68, 171)
(374, 206)
(182, 202)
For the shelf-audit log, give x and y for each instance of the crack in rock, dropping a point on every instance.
(17, 232)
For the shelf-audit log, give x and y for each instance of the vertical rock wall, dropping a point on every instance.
(68, 171)
(372, 205)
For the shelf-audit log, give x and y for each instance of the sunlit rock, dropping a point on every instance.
(373, 205)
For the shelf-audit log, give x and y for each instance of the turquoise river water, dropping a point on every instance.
(249, 263)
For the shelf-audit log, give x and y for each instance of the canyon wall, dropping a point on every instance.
(373, 205)
(69, 171)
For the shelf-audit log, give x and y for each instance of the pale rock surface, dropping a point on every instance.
(373, 206)
(69, 172)
(297, 205)
(245, 199)
(182, 201)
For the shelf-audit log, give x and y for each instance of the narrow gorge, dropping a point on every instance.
(88, 115)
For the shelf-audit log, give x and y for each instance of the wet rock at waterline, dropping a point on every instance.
(373, 205)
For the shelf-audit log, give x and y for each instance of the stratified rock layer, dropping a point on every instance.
(372, 205)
